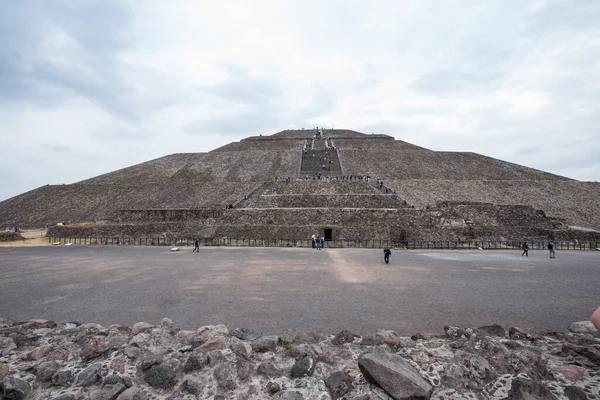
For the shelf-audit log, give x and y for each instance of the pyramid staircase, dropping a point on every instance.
(320, 158)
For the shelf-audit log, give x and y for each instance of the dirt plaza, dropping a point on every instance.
(272, 290)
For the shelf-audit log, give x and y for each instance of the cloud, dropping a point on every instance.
(91, 86)
(453, 82)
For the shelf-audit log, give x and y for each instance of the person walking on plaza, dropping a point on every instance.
(551, 247)
(386, 255)
(196, 246)
(525, 250)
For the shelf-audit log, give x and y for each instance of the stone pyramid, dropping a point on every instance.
(299, 182)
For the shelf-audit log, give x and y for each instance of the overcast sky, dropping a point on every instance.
(87, 87)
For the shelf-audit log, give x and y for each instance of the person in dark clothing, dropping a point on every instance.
(551, 248)
(525, 250)
(386, 255)
(196, 246)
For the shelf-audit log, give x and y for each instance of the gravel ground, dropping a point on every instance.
(274, 289)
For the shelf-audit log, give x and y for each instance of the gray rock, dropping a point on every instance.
(308, 337)
(590, 353)
(493, 330)
(185, 349)
(525, 389)
(394, 375)
(108, 392)
(304, 366)
(575, 393)
(371, 341)
(273, 387)
(225, 377)
(291, 395)
(240, 348)
(6, 345)
(583, 327)
(12, 388)
(244, 368)
(116, 342)
(196, 340)
(160, 376)
(93, 348)
(301, 350)
(384, 334)
(61, 377)
(24, 340)
(195, 362)
(132, 352)
(215, 357)
(64, 396)
(114, 379)
(468, 371)
(140, 327)
(193, 386)
(89, 376)
(133, 393)
(150, 361)
(453, 332)
(166, 323)
(7, 322)
(245, 334)
(45, 370)
(338, 383)
(342, 337)
(264, 344)
(270, 370)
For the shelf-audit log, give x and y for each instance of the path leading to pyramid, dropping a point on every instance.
(273, 289)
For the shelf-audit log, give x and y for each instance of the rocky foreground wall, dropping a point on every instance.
(173, 231)
(67, 361)
(10, 236)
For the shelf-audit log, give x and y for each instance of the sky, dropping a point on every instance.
(88, 87)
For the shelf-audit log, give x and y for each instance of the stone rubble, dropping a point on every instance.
(71, 361)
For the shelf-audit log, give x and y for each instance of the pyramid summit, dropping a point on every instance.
(294, 183)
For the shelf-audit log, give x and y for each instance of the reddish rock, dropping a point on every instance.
(573, 373)
(3, 371)
(35, 354)
(140, 327)
(324, 355)
(92, 349)
(58, 354)
(215, 343)
(344, 336)
(118, 364)
(6, 345)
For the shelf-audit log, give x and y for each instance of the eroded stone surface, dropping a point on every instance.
(395, 376)
(48, 361)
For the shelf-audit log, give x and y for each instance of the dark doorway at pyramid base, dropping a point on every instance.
(327, 234)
